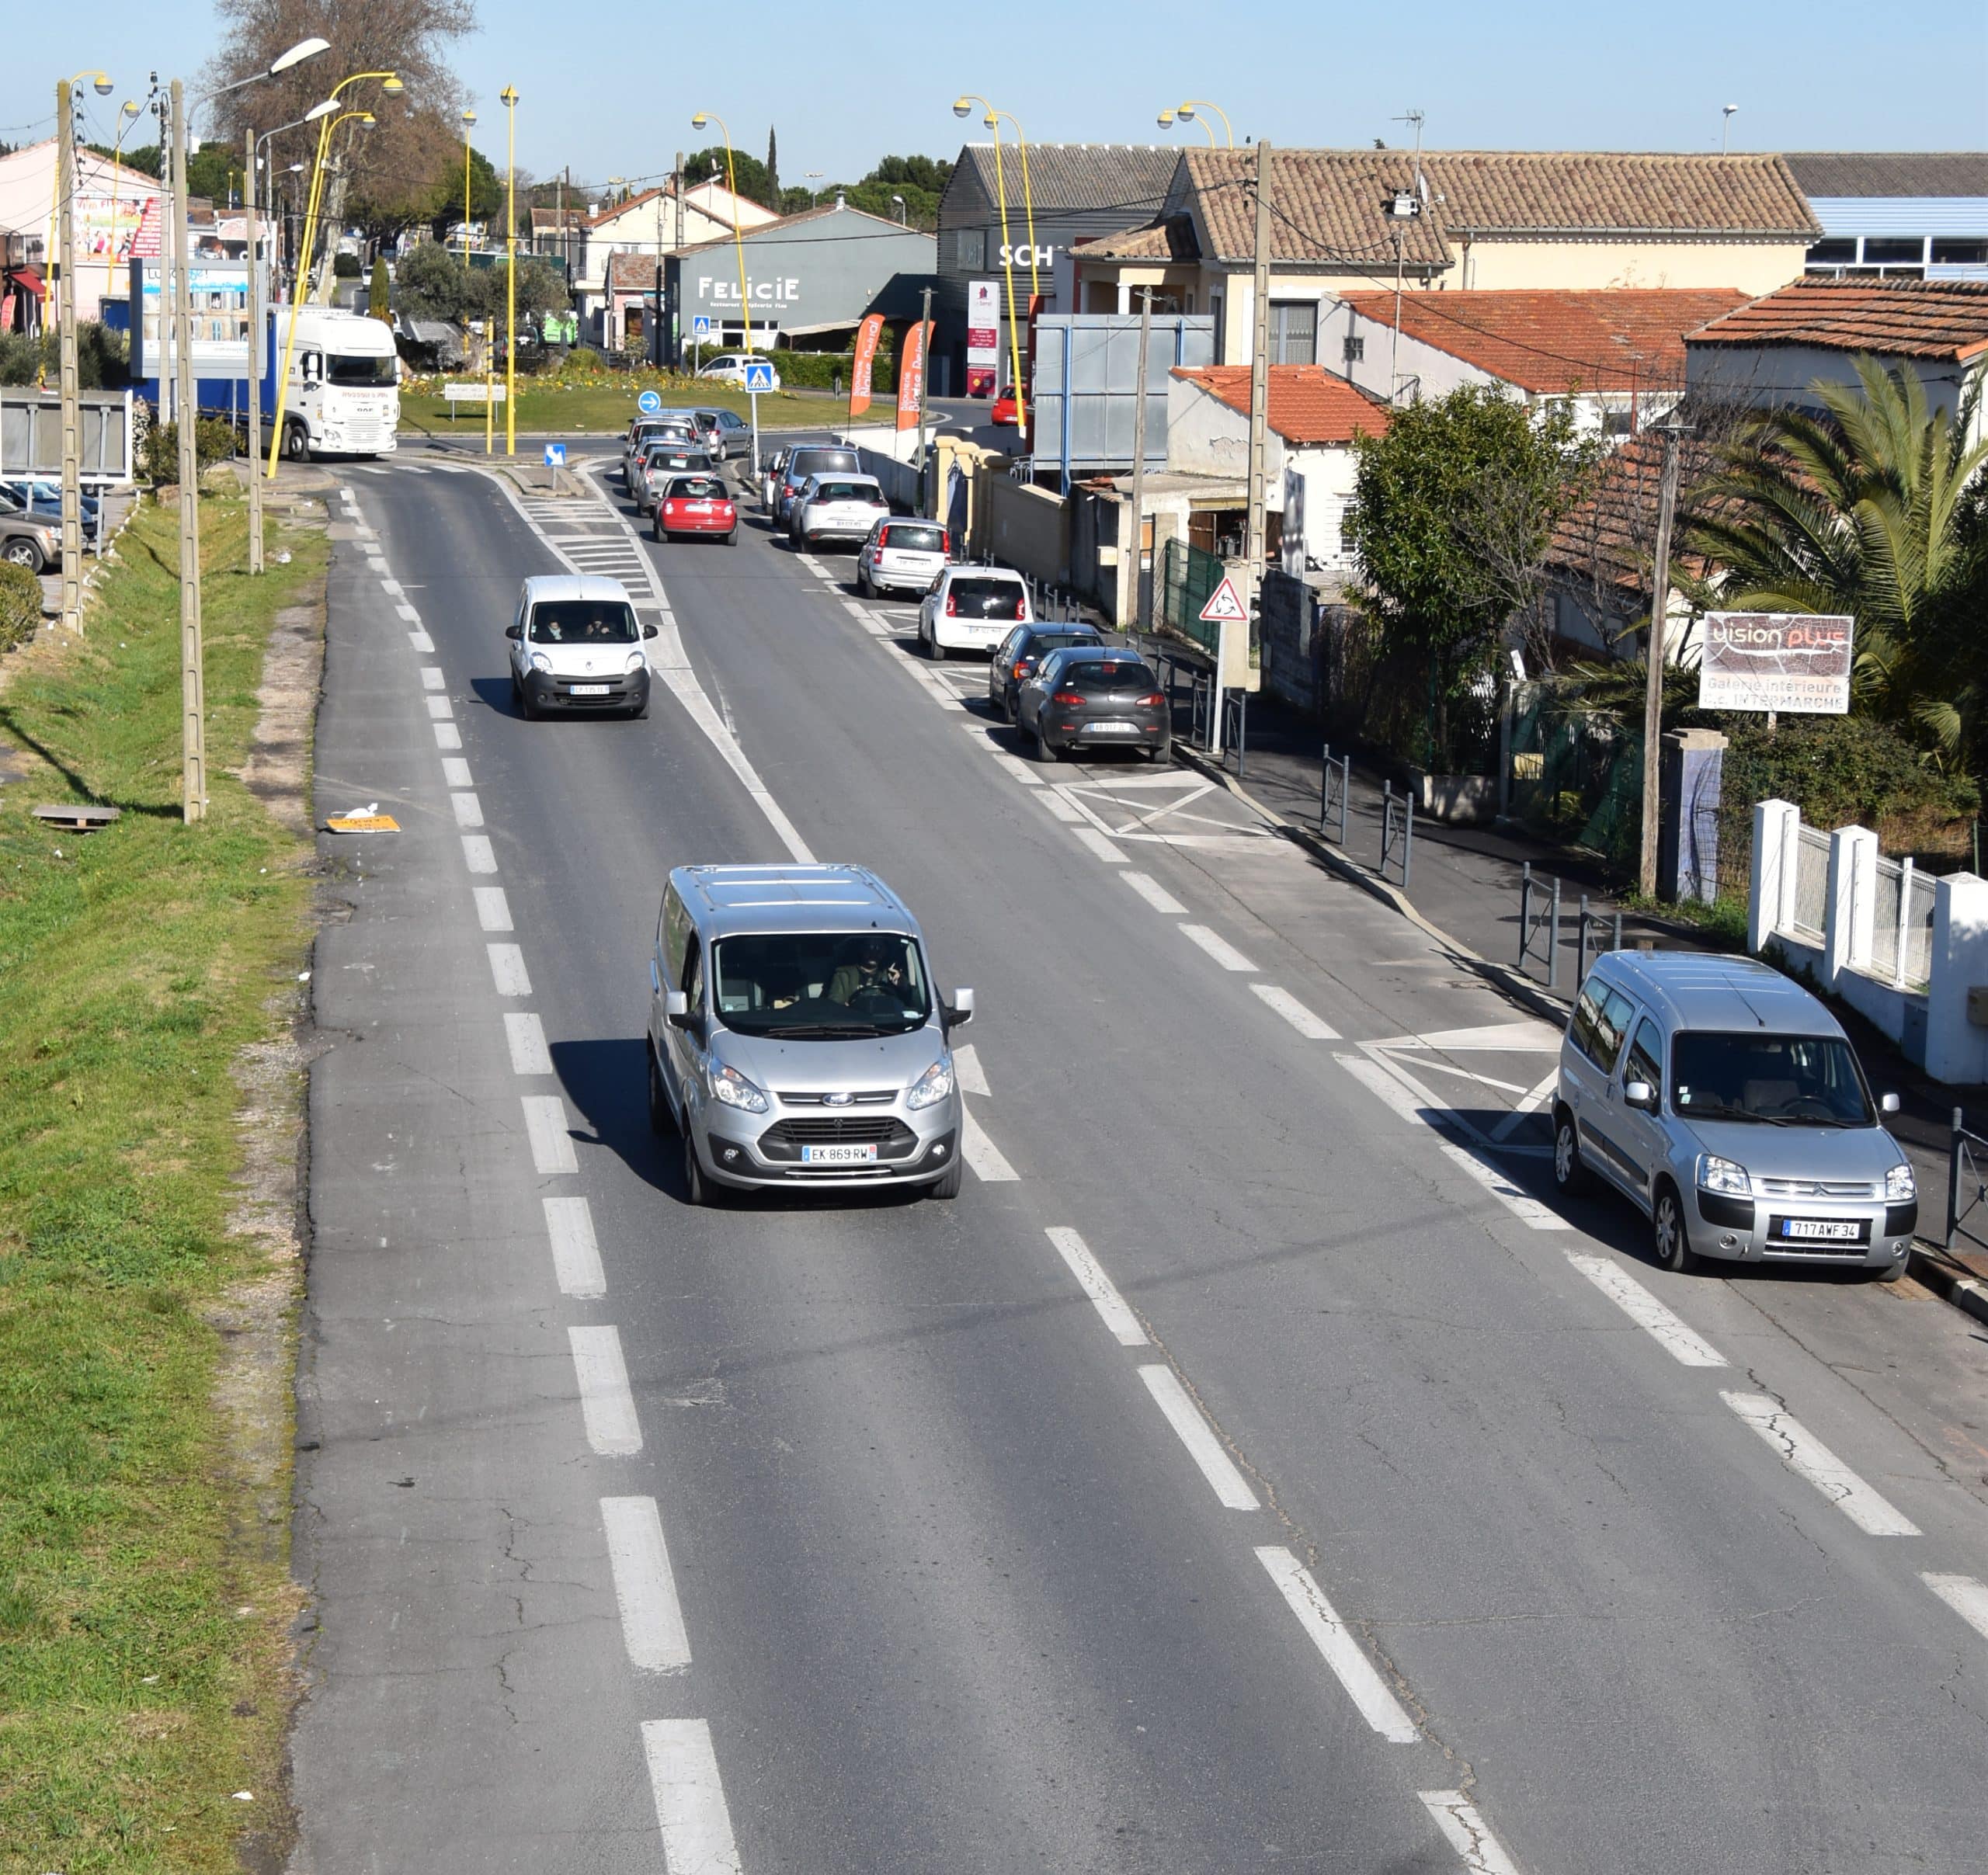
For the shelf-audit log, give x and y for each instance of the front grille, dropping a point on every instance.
(839, 1129)
(875, 1096)
(1815, 1188)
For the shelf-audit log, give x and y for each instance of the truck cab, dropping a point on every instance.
(342, 396)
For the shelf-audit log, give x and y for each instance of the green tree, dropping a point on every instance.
(772, 167)
(379, 295)
(707, 164)
(1453, 507)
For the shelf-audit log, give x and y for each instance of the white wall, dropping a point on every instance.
(1780, 374)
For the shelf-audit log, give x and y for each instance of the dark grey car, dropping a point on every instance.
(1080, 698)
(1017, 655)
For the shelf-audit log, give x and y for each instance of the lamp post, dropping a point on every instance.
(1186, 114)
(1725, 125)
(962, 107)
(697, 123)
(1167, 120)
(266, 161)
(897, 201)
(469, 124)
(69, 383)
(509, 95)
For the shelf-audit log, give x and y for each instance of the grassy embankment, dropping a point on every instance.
(143, 1648)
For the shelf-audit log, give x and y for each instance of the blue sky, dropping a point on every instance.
(614, 96)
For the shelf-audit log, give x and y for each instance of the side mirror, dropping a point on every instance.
(676, 1009)
(1889, 1103)
(957, 1013)
(514, 631)
(652, 631)
(1640, 1095)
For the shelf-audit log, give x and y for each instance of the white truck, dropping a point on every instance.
(343, 398)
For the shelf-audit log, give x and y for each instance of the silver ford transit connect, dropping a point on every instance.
(1725, 1102)
(795, 1035)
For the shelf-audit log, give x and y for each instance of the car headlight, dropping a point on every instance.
(1719, 1175)
(1899, 1185)
(732, 1089)
(540, 662)
(932, 1086)
(636, 662)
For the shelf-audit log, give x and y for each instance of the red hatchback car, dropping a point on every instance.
(1004, 412)
(696, 505)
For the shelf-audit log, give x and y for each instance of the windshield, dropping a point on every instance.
(845, 491)
(825, 987)
(696, 488)
(817, 462)
(1774, 1079)
(908, 537)
(583, 621)
(340, 370)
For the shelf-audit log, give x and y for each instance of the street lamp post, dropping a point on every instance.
(69, 381)
(1186, 112)
(697, 123)
(1167, 119)
(509, 95)
(469, 123)
(963, 107)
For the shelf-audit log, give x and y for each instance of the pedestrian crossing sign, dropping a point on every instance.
(759, 374)
(700, 326)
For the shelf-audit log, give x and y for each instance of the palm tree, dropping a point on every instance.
(1862, 510)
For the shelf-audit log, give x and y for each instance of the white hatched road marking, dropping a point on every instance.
(421, 641)
(1218, 948)
(455, 771)
(546, 1126)
(1681, 1342)
(479, 855)
(1342, 1653)
(1228, 1483)
(469, 810)
(1313, 1028)
(526, 1036)
(972, 1076)
(1805, 1455)
(433, 678)
(1466, 1832)
(1155, 894)
(1091, 1279)
(1099, 844)
(651, 1618)
(690, 1799)
(1966, 1597)
(606, 1406)
(1057, 805)
(493, 909)
(575, 1254)
(507, 970)
(983, 1157)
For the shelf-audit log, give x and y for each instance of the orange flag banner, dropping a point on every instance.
(910, 374)
(867, 336)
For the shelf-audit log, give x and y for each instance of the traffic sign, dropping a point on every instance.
(1225, 605)
(648, 402)
(759, 374)
(700, 326)
(555, 455)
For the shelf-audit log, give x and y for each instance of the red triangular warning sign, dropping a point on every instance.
(1225, 605)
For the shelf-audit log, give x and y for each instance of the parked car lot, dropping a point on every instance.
(972, 609)
(1084, 698)
(30, 540)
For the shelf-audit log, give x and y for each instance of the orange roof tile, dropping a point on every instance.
(1308, 404)
(1902, 319)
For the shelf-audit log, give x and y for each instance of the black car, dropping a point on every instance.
(1082, 698)
(1017, 655)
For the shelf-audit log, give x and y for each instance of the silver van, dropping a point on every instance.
(1725, 1102)
(795, 1036)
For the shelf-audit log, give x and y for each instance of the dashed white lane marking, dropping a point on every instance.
(1522, 1204)
(507, 968)
(1313, 1028)
(394, 588)
(1467, 1833)
(606, 1405)
(526, 1035)
(575, 1254)
(1095, 1284)
(1059, 805)
(1218, 948)
(1344, 1653)
(438, 708)
(689, 1800)
(469, 810)
(1646, 1312)
(1019, 769)
(1966, 1596)
(455, 771)
(479, 855)
(408, 613)
(448, 736)
(983, 1157)
(546, 1128)
(651, 1618)
(1228, 1483)
(493, 909)
(421, 641)
(1805, 1455)
(972, 1076)
(1155, 894)
(1098, 845)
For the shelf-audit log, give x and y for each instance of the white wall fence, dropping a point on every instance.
(1901, 948)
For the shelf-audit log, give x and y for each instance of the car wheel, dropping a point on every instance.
(661, 1120)
(1669, 1242)
(1045, 750)
(1568, 1173)
(947, 1184)
(697, 1189)
(22, 552)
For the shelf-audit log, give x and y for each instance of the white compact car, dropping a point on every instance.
(730, 368)
(901, 556)
(836, 507)
(576, 649)
(972, 609)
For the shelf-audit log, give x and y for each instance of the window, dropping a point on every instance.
(1833, 252)
(1767, 1078)
(1889, 250)
(675, 934)
(1293, 332)
(583, 622)
(1646, 1061)
(1353, 350)
(819, 986)
(1616, 422)
(1601, 1018)
(1959, 253)
(914, 538)
(969, 248)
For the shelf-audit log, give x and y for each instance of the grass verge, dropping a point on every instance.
(553, 408)
(144, 1650)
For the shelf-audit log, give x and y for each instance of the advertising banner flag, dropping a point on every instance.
(1796, 662)
(910, 374)
(867, 336)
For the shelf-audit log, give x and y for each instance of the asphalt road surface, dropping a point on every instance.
(1244, 1473)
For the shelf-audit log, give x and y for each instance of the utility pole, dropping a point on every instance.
(924, 397)
(1139, 613)
(193, 685)
(256, 349)
(1401, 243)
(1666, 510)
(1259, 397)
(70, 384)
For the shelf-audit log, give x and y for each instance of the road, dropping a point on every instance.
(1241, 1475)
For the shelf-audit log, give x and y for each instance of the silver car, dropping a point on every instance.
(795, 1035)
(1727, 1104)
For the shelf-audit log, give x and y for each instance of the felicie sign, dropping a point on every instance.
(1797, 662)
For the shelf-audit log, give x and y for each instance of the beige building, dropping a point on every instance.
(647, 227)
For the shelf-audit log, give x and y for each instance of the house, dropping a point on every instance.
(1897, 213)
(1616, 354)
(557, 235)
(110, 206)
(1773, 351)
(650, 224)
(1354, 220)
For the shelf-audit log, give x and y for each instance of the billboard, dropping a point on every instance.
(983, 337)
(220, 292)
(1797, 662)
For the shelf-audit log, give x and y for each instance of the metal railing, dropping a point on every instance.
(1397, 832)
(1234, 727)
(1967, 1185)
(1335, 785)
(1532, 923)
(1592, 924)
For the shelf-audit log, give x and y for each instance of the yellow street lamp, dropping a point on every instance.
(1186, 112)
(1166, 121)
(510, 96)
(738, 233)
(469, 123)
(963, 107)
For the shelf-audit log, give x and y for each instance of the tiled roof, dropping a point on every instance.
(1171, 239)
(1325, 205)
(1890, 172)
(558, 217)
(1078, 176)
(621, 208)
(1612, 533)
(1900, 318)
(1551, 340)
(1308, 404)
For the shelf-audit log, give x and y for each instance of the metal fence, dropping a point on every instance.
(1576, 774)
(1188, 577)
(1810, 916)
(1967, 1188)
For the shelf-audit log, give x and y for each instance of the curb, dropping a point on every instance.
(1967, 1294)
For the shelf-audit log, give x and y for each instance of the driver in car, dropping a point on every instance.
(869, 971)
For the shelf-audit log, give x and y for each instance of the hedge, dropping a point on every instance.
(20, 604)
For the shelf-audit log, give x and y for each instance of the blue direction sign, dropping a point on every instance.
(648, 402)
(759, 374)
(700, 326)
(555, 455)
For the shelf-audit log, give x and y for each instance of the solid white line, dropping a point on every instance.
(1091, 1279)
(438, 708)
(1099, 844)
(575, 1255)
(651, 1619)
(469, 810)
(448, 736)
(1344, 1655)
(1966, 1596)
(433, 677)
(1467, 1833)
(1061, 806)
(507, 968)
(1313, 1028)
(967, 1071)
(1807, 1456)
(983, 1157)
(546, 1127)
(1228, 1484)
(690, 1799)
(606, 1403)
(1218, 948)
(478, 854)
(493, 909)
(1646, 1312)
(1155, 894)
(455, 771)
(421, 641)
(526, 1035)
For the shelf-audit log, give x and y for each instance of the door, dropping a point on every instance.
(1641, 1135)
(686, 1054)
(1597, 1036)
